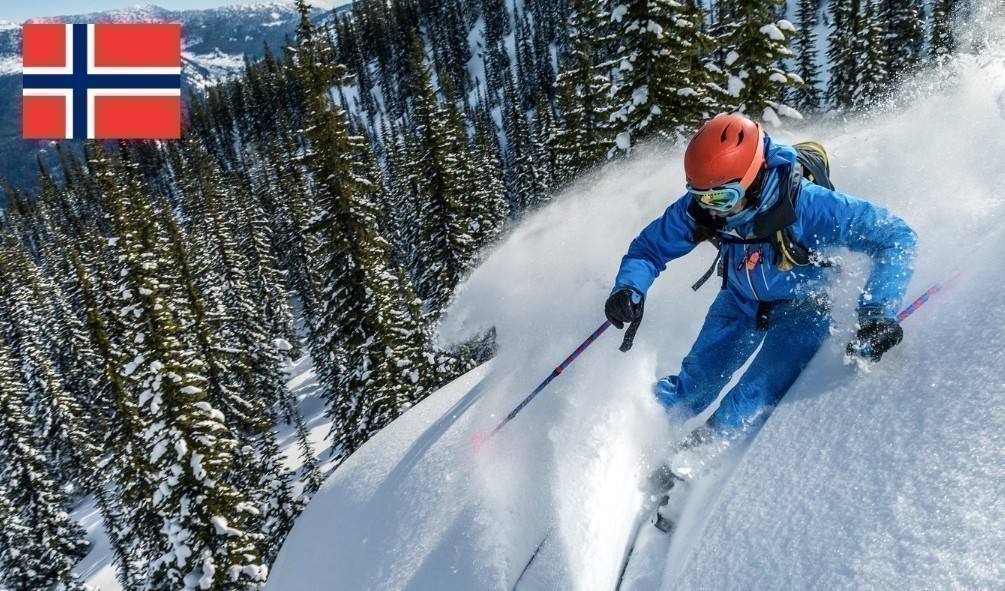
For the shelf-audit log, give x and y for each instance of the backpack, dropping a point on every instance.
(775, 225)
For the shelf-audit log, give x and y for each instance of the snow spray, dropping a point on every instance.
(478, 440)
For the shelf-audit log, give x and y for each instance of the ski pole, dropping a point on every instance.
(479, 438)
(865, 350)
(924, 298)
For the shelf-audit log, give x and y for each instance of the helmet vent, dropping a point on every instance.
(739, 139)
(723, 137)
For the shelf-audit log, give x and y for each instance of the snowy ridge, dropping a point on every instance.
(887, 479)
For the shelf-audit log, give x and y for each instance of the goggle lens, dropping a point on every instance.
(720, 198)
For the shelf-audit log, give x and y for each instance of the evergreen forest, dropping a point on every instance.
(328, 202)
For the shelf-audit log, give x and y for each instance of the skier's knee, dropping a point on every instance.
(665, 391)
(668, 393)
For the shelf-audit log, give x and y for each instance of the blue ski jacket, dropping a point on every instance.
(826, 221)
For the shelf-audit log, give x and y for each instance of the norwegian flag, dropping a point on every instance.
(103, 81)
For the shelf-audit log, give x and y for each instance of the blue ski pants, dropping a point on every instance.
(796, 330)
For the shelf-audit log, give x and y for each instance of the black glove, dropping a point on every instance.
(875, 337)
(625, 305)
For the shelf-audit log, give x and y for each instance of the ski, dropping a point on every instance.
(662, 481)
(531, 560)
(628, 555)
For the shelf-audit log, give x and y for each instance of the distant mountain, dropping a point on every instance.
(214, 43)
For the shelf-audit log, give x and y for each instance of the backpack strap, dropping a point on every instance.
(776, 224)
(816, 165)
(708, 274)
(719, 241)
(793, 253)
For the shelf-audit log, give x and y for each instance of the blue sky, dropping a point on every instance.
(18, 10)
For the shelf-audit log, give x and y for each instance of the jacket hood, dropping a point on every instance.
(774, 209)
(779, 160)
(778, 154)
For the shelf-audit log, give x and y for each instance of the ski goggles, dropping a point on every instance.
(722, 198)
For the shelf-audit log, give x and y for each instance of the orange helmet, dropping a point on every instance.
(728, 148)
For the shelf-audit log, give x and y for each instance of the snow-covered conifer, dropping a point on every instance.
(754, 44)
(202, 537)
(843, 52)
(544, 144)
(368, 341)
(490, 213)
(522, 181)
(873, 75)
(39, 543)
(942, 41)
(806, 96)
(582, 93)
(905, 35)
(661, 86)
(26, 325)
(446, 182)
(859, 74)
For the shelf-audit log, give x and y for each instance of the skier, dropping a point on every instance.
(754, 199)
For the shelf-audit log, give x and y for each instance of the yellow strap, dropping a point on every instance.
(787, 260)
(816, 148)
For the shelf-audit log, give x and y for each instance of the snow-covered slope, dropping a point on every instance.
(889, 479)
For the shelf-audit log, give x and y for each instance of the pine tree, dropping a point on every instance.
(905, 37)
(843, 53)
(526, 61)
(445, 181)
(290, 210)
(270, 349)
(807, 96)
(24, 324)
(859, 74)
(78, 365)
(873, 75)
(401, 196)
(942, 41)
(40, 542)
(17, 567)
(582, 89)
(495, 56)
(545, 161)
(254, 239)
(202, 538)
(242, 368)
(368, 341)
(662, 86)
(489, 208)
(545, 22)
(522, 182)
(125, 504)
(755, 44)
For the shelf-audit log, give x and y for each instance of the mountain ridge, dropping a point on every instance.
(214, 44)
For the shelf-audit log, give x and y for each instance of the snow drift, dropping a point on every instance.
(893, 478)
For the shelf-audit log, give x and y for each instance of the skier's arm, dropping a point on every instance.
(665, 239)
(834, 219)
